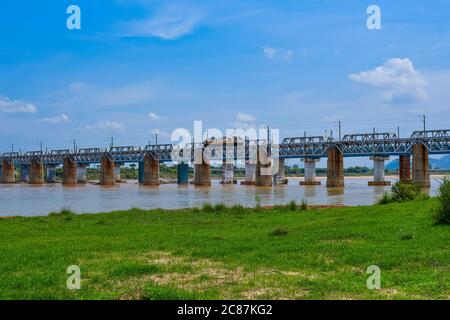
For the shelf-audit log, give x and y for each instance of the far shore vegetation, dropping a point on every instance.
(130, 172)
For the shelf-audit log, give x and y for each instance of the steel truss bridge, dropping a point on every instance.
(351, 145)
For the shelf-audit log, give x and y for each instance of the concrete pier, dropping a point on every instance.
(82, 173)
(117, 171)
(263, 177)
(8, 172)
(107, 177)
(25, 173)
(227, 172)
(151, 171)
(310, 172)
(141, 172)
(379, 172)
(50, 174)
(404, 169)
(69, 172)
(183, 173)
(202, 175)
(250, 173)
(202, 169)
(335, 168)
(421, 166)
(280, 176)
(36, 172)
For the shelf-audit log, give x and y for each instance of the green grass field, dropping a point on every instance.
(215, 253)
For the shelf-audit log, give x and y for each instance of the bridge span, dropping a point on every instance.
(38, 167)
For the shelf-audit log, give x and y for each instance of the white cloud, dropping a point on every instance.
(153, 116)
(84, 94)
(277, 54)
(126, 95)
(243, 121)
(60, 118)
(15, 106)
(244, 117)
(398, 80)
(170, 23)
(105, 126)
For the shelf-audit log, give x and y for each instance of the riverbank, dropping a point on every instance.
(238, 253)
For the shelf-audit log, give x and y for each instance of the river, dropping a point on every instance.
(28, 200)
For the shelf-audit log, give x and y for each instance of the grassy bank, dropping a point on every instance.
(229, 253)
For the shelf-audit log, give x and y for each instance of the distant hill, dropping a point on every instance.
(443, 163)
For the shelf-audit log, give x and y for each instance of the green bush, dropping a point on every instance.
(64, 214)
(279, 232)
(402, 192)
(258, 203)
(442, 216)
(304, 205)
(292, 206)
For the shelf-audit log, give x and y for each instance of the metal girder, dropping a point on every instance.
(436, 141)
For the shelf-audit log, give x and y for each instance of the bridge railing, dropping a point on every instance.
(436, 141)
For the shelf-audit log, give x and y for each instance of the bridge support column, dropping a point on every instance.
(36, 172)
(82, 173)
(263, 177)
(183, 173)
(141, 172)
(69, 172)
(404, 169)
(227, 172)
(310, 172)
(151, 171)
(50, 175)
(202, 170)
(280, 176)
(117, 171)
(250, 173)
(25, 173)
(335, 168)
(421, 166)
(378, 171)
(8, 172)
(107, 177)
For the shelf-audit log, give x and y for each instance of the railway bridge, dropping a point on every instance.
(39, 167)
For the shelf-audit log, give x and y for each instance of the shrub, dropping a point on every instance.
(207, 207)
(442, 215)
(402, 192)
(279, 232)
(238, 208)
(385, 199)
(406, 236)
(220, 207)
(64, 214)
(304, 205)
(292, 206)
(258, 203)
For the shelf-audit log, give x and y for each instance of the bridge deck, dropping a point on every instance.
(354, 145)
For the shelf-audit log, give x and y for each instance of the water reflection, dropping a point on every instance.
(24, 199)
(310, 191)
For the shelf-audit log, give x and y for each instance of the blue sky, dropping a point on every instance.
(137, 66)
